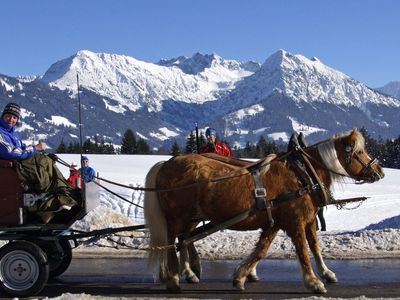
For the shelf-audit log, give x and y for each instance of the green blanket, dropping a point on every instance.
(39, 174)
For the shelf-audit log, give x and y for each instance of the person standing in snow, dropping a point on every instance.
(11, 146)
(87, 173)
(214, 146)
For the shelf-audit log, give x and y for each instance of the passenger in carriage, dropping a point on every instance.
(214, 146)
(88, 173)
(37, 172)
(11, 146)
(74, 178)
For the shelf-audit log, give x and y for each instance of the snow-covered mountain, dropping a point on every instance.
(391, 89)
(292, 93)
(136, 84)
(162, 101)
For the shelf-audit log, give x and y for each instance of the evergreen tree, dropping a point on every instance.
(271, 147)
(90, 147)
(106, 147)
(261, 147)
(249, 151)
(73, 148)
(191, 146)
(62, 148)
(175, 149)
(129, 145)
(142, 147)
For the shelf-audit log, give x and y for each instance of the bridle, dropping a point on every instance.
(367, 173)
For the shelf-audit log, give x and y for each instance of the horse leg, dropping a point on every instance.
(323, 270)
(171, 276)
(248, 266)
(194, 260)
(186, 270)
(311, 282)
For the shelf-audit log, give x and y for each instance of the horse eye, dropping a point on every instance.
(348, 148)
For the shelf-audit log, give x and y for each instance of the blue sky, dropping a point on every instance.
(358, 37)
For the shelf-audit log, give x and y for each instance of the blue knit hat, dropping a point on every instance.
(12, 109)
(211, 131)
(84, 158)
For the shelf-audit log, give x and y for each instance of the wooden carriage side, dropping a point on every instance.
(11, 195)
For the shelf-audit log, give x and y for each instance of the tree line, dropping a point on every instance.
(387, 151)
(130, 144)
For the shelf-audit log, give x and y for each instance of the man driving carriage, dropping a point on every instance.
(37, 172)
(214, 146)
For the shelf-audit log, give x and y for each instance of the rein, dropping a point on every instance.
(259, 164)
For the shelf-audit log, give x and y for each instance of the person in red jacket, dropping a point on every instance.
(214, 146)
(74, 178)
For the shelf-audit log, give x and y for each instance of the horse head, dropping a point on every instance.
(352, 158)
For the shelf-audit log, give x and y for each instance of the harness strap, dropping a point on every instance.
(304, 165)
(292, 195)
(260, 194)
(314, 175)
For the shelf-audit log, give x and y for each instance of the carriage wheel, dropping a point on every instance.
(59, 255)
(24, 269)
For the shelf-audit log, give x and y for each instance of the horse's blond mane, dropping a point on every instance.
(329, 157)
(360, 142)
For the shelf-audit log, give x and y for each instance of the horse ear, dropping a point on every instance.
(353, 137)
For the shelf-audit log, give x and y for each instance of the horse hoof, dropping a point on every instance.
(315, 285)
(192, 279)
(318, 288)
(253, 278)
(173, 288)
(330, 277)
(197, 271)
(239, 284)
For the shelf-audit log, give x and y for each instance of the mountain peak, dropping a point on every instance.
(199, 62)
(392, 89)
(193, 65)
(135, 84)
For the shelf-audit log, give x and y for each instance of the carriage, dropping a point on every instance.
(35, 252)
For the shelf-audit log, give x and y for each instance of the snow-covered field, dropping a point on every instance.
(370, 230)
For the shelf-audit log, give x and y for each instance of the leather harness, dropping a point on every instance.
(304, 168)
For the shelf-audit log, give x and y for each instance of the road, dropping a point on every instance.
(280, 279)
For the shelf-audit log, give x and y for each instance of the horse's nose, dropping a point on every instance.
(379, 174)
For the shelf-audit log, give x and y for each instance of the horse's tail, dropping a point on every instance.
(156, 223)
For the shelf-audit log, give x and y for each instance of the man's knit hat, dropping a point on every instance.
(12, 109)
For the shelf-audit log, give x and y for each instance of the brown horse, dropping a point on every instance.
(195, 187)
